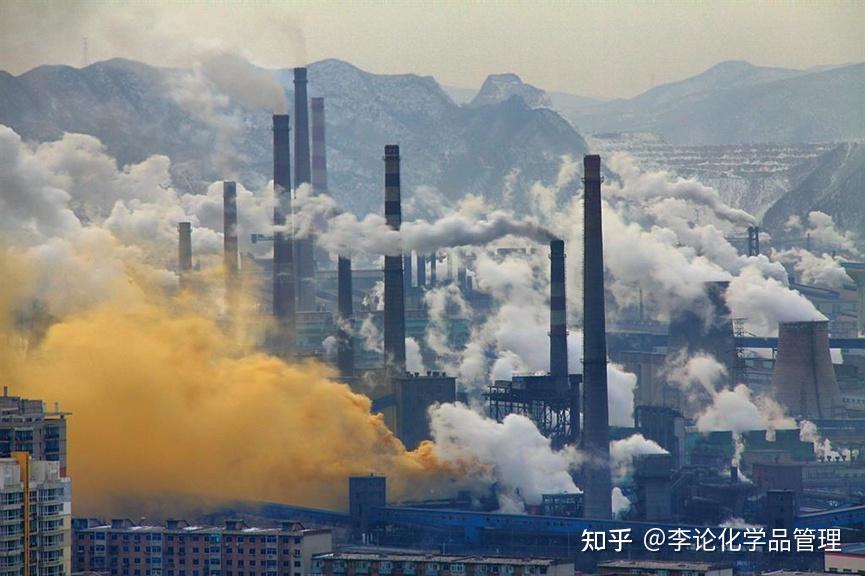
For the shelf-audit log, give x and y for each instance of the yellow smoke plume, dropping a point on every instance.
(166, 405)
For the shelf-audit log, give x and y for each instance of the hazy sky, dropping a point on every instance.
(594, 48)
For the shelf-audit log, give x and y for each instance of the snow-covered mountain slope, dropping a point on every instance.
(736, 102)
(134, 110)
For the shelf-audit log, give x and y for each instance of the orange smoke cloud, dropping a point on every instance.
(164, 404)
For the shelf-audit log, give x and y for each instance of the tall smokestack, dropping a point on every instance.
(406, 273)
(421, 270)
(345, 345)
(558, 319)
(229, 242)
(596, 425)
(394, 297)
(319, 149)
(433, 261)
(803, 379)
(304, 247)
(283, 258)
(184, 249)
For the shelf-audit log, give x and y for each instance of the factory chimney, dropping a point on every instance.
(596, 426)
(394, 298)
(433, 260)
(229, 243)
(558, 319)
(304, 247)
(319, 150)
(184, 250)
(345, 346)
(421, 271)
(804, 379)
(283, 259)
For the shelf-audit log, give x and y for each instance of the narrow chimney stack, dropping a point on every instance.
(421, 271)
(558, 312)
(283, 260)
(304, 247)
(394, 297)
(433, 261)
(184, 250)
(319, 148)
(596, 425)
(345, 312)
(230, 244)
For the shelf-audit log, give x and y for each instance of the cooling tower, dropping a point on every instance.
(319, 149)
(283, 259)
(229, 240)
(558, 312)
(304, 247)
(596, 425)
(804, 379)
(345, 346)
(394, 297)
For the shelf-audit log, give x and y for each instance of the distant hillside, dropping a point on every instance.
(128, 106)
(736, 102)
(836, 186)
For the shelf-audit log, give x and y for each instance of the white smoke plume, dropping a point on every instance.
(812, 269)
(823, 233)
(413, 358)
(738, 410)
(373, 339)
(624, 451)
(808, 432)
(621, 504)
(764, 302)
(659, 184)
(516, 456)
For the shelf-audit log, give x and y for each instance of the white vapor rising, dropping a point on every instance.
(811, 269)
(516, 456)
(624, 451)
(737, 410)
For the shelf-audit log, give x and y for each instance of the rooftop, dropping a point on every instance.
(663, 565)
(443, 558)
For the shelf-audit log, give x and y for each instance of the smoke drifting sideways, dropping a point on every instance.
(165, 398)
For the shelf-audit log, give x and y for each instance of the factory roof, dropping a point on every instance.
(443, 558)
(663, 565)
(796, 573)
(854, 549)
(181, 526)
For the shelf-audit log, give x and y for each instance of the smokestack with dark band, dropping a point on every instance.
(184, 249)
(596, 425)
(394, 298)
(319, 150)
(304, 247)
(558, 329)
(345, 346)
(229, 242)
(283, 259)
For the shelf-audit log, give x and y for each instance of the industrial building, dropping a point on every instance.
(662, 568)
(178, 548)
(35, 524)
(372, 562)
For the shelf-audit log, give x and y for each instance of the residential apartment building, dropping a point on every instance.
(35, 518)
(122, 548)
(25, 426)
